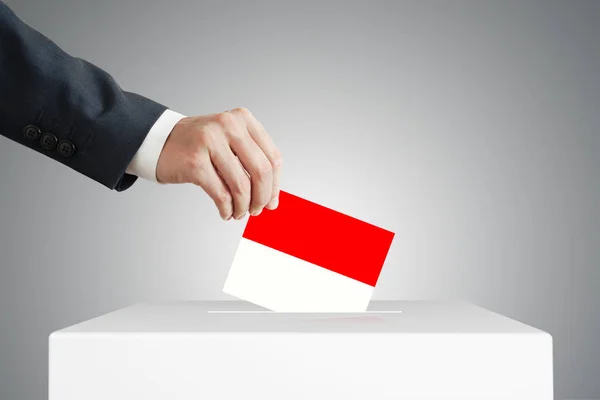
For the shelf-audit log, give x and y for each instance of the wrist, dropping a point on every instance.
(145, 162)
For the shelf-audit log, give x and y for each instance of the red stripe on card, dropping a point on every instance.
(322, 236)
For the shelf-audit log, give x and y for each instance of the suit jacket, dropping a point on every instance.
(68, 109)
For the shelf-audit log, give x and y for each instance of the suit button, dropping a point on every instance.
(31, 132)
(66, 149)
(48, 141)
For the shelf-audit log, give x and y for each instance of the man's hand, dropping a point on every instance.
(230, 156)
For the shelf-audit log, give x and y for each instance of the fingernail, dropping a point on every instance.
(256, 213)
(240, 217)
(275, 202)
(228, 218)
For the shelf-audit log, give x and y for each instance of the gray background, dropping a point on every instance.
(471, 129)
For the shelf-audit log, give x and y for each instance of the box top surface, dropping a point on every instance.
(242, 317)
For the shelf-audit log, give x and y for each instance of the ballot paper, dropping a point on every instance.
(305, 257)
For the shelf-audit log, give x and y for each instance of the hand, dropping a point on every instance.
(230, 156)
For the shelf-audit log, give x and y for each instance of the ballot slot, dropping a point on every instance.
(301, 312)
(311, 317)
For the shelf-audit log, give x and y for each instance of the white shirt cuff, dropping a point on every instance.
(145, 161)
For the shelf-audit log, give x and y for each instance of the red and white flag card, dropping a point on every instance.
(304, 257)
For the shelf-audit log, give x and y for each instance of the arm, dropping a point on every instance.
(72, 111)
(75, 113)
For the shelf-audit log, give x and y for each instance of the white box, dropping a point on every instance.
(234, 350)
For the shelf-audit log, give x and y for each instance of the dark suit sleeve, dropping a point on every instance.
(68, 109)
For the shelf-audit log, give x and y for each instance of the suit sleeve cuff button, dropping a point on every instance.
(31, 132)
(66, 149)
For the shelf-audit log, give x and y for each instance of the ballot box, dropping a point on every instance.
(233, 350)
